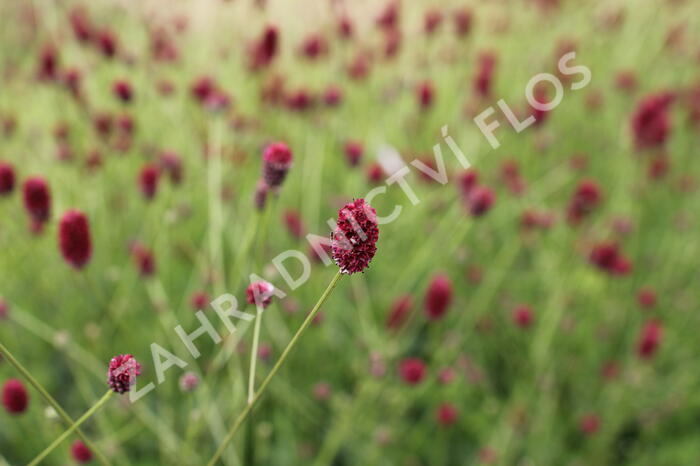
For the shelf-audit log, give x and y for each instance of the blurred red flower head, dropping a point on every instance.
(199, 300)
(122, 90)
(412, 370)
(74, 238)
(651, 122)
(277, 159)
(399, 311)
(37, 199)
(264, 50)
(14, 396)
(425, 93)
(143, 259)
(447, 414)
(438, 297)
(80, 452)
(608, 257)
(649, 339)
(589, 424)
(523, 316)
(480, 200)
(646, 297)
(148, 180)
(584, 200)
(353, 152)
(7, 178)
(106, 43)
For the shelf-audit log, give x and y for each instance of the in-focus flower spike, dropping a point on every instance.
(277, 159)
(74, 238)
(354, 240)
(122, 373)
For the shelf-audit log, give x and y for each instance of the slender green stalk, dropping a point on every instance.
(253, 356)
(50, 400)
(249, 407)
(70, 430)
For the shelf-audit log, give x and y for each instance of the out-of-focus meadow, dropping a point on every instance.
(540, 308)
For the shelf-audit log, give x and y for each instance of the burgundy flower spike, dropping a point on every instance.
(122, 373)
(354, 240)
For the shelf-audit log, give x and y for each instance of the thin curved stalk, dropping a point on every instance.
(249, 406)
(54, 404)
(70, 430)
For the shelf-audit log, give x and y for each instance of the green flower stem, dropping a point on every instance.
(50, 400)
(249, 406)
(70, 430)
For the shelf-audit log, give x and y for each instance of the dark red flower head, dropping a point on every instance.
(144, 260)
(523, 316)
(277, 159)
(399, 311)
(425, 93)
(264, 50)
(314, 46)
(353, 152)
(122, 90)
(106, 42)
(375, 173)
(48, 63)
(585, 199)
(80, 452)
(7, 178)
(345, 27)
(171, 164)
(37, 199)
(432, 20)
(447, 414)
(148, 180)
(483, 80)
(651, 123)
(14, 396)
(649, 339)
(122, 373)
(646, 297)
(462, 22)
(589, 424)
(480, 200)
(354, 240)
(199, 300)
(74, 238)
(607, 257)
(412, 370)
(260, 293)
(80, 23)
(333, 95)
(438, 297)
(294, 224)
